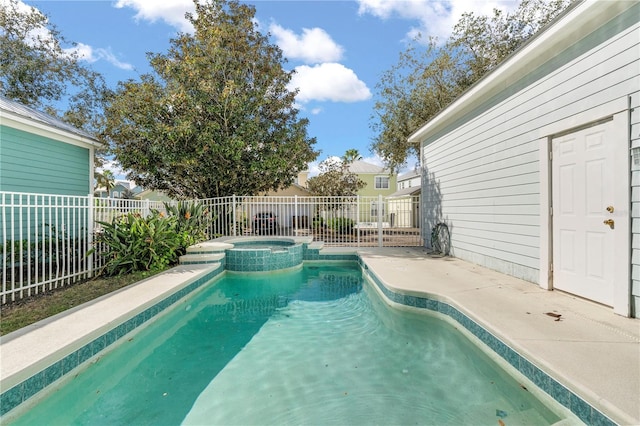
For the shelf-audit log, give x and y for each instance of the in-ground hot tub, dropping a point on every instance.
(262, 255)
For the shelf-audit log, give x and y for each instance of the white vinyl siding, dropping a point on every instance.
(635, 205)
(482, 176)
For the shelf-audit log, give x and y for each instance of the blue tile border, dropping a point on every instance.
(582, 409)
(21, 392)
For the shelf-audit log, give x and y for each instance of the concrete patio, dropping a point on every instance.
(592, 351)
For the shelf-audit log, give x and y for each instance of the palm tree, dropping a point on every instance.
(351, 155)
(128, 194)
(105, 180)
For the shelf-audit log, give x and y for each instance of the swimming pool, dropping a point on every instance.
(315, 345)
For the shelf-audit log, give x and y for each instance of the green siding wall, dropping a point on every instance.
(36, 164)
(371, 191)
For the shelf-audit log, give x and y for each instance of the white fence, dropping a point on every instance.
(44, 239)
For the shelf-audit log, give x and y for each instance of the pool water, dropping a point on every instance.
(311, 346)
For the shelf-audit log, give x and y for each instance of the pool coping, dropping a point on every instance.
(22, 384)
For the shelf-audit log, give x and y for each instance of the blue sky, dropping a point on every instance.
(339, 49)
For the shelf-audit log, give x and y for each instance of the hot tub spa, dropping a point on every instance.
(263, 255)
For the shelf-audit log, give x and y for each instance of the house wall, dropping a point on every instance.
(371, 191)
(415, 181)
(635, 203)
(482, 174)
(38, 164)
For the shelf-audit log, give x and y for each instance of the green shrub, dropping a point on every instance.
(134, 243)
(193, 222)
(341, 225)
(317, 222)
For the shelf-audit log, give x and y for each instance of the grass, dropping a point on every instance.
(16, 315)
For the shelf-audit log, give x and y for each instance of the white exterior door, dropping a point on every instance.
(583, 174)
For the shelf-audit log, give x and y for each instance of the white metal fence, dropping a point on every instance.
(45, 239)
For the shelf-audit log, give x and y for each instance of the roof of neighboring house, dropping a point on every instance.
(13, 109)
(293, 189)
(360, 166)
(579, 20)
(413, 190)
(409, 175)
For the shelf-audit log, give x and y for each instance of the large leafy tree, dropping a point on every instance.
(335, 178)
(429, 76)
(41, 69)
(216, 117)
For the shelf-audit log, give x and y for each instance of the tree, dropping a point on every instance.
(127, 194)
(351, 155)
(105, 179)
(38, 71)
(335, 178)
(415, 89)
(216, 117)
(427, 79)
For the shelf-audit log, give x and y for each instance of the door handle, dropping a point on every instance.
(609, 222)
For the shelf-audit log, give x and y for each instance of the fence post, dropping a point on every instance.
(296, 219)
(90, 226)
(234, 214)
(379, 210)
(358, 220)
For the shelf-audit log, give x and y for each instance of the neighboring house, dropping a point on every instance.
(298, 187)
(379, 180)
(42, 154)
(151, 195)
(119, 187)
(530, 168)
(404, 204)
(288, 213)
(44, 162)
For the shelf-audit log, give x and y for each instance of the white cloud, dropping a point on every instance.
(85, 51)
(115, 168)
(435, 17)
(328, 82)
(92, 55)
(170, 11)
(312, 46)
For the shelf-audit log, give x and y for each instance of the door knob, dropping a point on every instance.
(610, 209)
(609, 222)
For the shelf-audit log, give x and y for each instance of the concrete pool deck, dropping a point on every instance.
(592, 351)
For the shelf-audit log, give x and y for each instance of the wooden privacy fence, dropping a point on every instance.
(45, 239)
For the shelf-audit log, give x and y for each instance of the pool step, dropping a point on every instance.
(200, 258)
(208, 247)
(316, 245)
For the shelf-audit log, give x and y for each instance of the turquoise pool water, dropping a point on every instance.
(311, 346)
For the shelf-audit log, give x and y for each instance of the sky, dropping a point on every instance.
(339, 49)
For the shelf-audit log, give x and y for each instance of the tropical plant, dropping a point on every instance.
(127, 194)
(192, 222)
(135, 243)
(105, 179)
